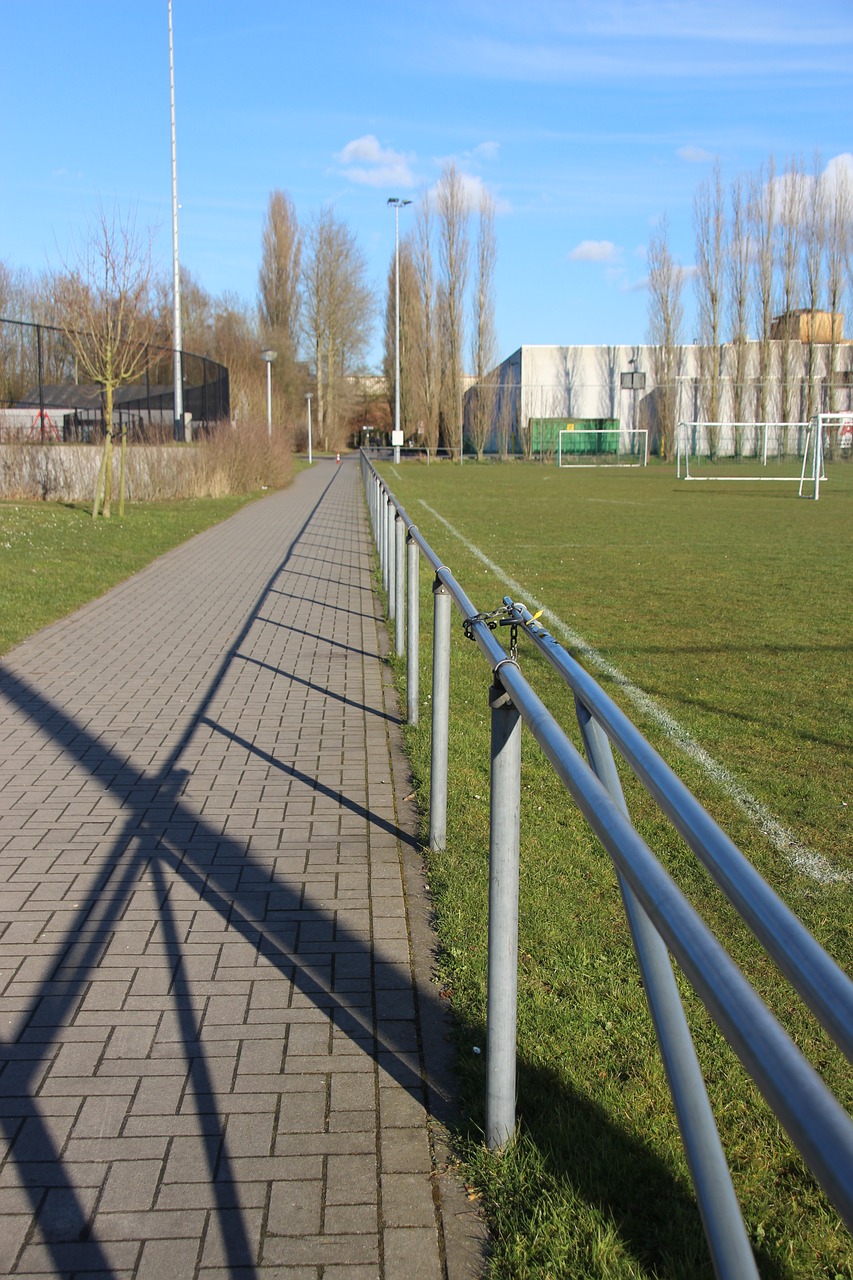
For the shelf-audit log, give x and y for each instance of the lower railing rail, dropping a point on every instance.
(661, 919)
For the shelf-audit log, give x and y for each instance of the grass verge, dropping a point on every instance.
(729, 604)
(54, 557)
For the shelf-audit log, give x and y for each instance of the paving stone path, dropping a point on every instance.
(220, 1051)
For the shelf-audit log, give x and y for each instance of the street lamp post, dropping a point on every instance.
(177, 339)
(310, 458)
(396, 439)
(268, 356)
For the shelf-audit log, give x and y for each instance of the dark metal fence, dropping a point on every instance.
(39, 379)
(661, 919)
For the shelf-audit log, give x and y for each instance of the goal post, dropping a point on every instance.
(775, 452)
(611, 447)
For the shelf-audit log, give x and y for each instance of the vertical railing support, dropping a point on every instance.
(391, 585)
(400, 586)
(440, 716)
(504, 844)
(728, 1242)
(412, 630)
(383, 539)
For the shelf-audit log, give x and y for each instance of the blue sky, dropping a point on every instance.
(586, 121)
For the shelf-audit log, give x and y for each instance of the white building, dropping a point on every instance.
(539, 388)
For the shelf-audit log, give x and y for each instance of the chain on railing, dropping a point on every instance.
(660, 918)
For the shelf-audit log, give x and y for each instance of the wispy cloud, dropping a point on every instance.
(595, 251)
(695, 155)
(486, 151)
(366, 162)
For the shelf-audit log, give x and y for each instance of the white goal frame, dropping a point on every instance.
(812, 470)
(634, 454)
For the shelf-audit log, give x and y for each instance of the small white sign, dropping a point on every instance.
(396, 438)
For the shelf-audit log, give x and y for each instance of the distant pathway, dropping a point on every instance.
(219, 1046)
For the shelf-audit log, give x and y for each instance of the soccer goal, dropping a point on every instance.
(616, 447)
(777, 452)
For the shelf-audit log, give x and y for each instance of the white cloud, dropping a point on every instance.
(595, 251)
(487, 151)
(367, 162)
(694, 155)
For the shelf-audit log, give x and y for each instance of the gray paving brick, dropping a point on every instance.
(209, 847)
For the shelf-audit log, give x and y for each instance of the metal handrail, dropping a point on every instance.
(823, 986)
(659, 915)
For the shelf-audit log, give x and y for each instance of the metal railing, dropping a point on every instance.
(661, 919)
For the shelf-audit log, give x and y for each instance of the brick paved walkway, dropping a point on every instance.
(221, 1054)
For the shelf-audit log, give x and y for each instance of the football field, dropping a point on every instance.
(720, 617)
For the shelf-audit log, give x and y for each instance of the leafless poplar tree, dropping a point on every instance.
(789, 235)
(279, 299)
(278, 278)
(452, 212)
(666, 321)
(338, 316)
(839, 240)
(608, 369)
(104, 301)
(484, 339)
(762, 204)
(814, 245)
(709, 224)
(737, 276)
(409, 318)
(422, 325)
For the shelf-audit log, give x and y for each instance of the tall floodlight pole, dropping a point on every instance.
(310, 458)
(176, 288)
(268, 356)
(398, 204)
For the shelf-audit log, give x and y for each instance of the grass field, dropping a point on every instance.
(54, 557)
(730, 606)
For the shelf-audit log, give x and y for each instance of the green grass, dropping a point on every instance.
(730, 605)
(54, 557)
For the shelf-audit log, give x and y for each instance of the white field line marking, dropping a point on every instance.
(803, 859)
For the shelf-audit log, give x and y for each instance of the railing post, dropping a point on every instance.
(504, 843)
(440, 716)
(391, 585)
(400, 586)
(412, 630)
(725, 1232)
(383, 538)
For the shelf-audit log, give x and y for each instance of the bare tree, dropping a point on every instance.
(338, 316)
(104, 302)
(421, 326)
(737, 274)
(278, 277)
(279, 300)
(839, 240)
(666, 320)
(789, 236)
(484, 340)
(608, 368)
(709, 223)
(409, 318)
(452, 210)
(814, 244)
(761, 217)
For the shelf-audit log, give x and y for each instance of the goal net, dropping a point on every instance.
(756, 451)
(616, 447)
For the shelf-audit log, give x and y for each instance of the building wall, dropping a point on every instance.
(584, 382)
